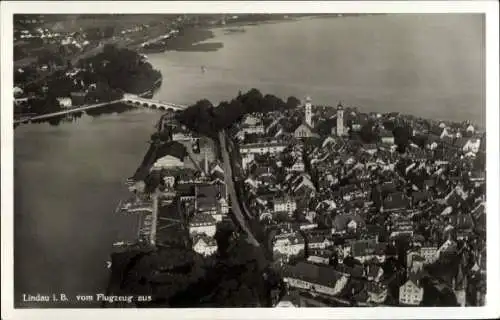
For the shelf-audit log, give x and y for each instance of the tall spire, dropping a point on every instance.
(308, 111)
(340, 119)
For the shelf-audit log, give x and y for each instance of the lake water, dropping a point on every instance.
(68, 179)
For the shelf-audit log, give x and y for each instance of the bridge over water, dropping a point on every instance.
(155, 104)
(130, 99)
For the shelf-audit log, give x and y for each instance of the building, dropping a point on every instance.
(304, 131)
(420, 197)
(78, 98)
(246, 159)
(21, 101)
(256, 129)
(318, 241)
(374, 272)
(202, 224)
(356, 126)
(395, 201)
(286, 204)
(211, 199)
(318, 259)
(447, 247)
(182, 136)
(289, 301)
(169, 180)
(386, 137)
(416, 263)
(308, 112)
(204, 245)
(401, 225)
(166, 162)
(302, 187)
(340, 120)
(65, 102)
(262, 148)
(472, 145)
(250, 129)
(288, 245)
(18, 92)
(216, 190)
(368, 249)
(207, 205)
(343, 223)
(429, 254)
(298, 166)
(411, 292)
(377, 293)
(251, 120)
(314, 278)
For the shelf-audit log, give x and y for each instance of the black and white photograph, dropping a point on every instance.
(181, 156)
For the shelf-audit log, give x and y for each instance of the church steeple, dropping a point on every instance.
(340, 119)
(308, 111)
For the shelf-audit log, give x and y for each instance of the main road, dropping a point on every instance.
(229, 179)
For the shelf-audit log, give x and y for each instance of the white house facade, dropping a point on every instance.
(65, 102)
(285, 204)
(263, 148)
(202, 224)
(411, 294)
(205, 246)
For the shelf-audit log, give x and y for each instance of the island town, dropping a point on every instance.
(269, 203)
(346, 208)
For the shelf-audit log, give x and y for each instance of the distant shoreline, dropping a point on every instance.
(194, 39)
(292, 18)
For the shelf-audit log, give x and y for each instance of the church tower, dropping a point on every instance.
(308, 111)
(340, 120)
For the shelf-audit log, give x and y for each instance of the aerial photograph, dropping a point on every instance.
(249, 160)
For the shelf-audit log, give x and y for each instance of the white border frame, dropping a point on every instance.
(490, 8)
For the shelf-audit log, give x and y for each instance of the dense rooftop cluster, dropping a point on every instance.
(351, 208)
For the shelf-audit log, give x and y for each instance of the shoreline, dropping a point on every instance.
(293, 19)
(195, 40)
